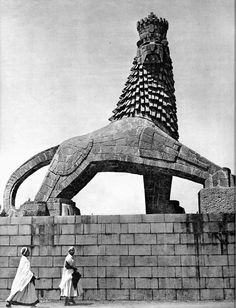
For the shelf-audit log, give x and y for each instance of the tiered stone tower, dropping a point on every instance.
(149, 90)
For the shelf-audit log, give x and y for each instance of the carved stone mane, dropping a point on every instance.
(149, 90)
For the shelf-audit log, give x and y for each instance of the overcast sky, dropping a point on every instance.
(64, 64)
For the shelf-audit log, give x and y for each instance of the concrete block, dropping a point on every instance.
(89, 283)
(187, 238)
(105, 239)
(14, 261)
(127, 239)
(25, 230)
(229, 294)
(231, 260)
(188, 260)
(64, 239)
(144, 239)
(21, 220)
(164, 295)
(231, 282)
(186, 271)
(86, 239)
(11, 251)
(93, 294)
(7, 272)
(216, 260)
(117, 295)
(108, 283)
(167, 238)
(45, 283)
(56, 282)
(211, 294)
(168, 261)
(146, 283)
(4, 240)
(163, 249)
(108, 260)
(54, 272)
(139, 228)
(4, 294)
(41, 261)
(152, 218)
(130, 218)
(140, 271)
(93, 271)
(20, 240)
(127, 260)
(58, 261)
(87, 260)
(228, 271)
(141, 250)
(211, 271)
(4, 261)
(211, 227)
(141, 295)
(8, 229)
(94, 228)
(175, 217)
(188, 295)
(161, 227)
(145, 260)
(164, 271)
(112, 228)
(109, 219)
(170, 283)
(64, 220)
(3, 283)
(124, 228)
(231, 249)
(116, 250)
(50, 250)
(94, 250)
(180, 227)
(113, 272)
(189, 249)
(214, 283)
(190, 283)
(127, 283)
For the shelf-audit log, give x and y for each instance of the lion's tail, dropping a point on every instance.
(23, 172)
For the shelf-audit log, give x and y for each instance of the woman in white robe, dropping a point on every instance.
(23, 289)
(70, 286)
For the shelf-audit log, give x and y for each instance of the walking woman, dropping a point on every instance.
(70, 282)
(23, 286)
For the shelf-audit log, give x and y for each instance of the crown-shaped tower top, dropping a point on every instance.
(152, 28)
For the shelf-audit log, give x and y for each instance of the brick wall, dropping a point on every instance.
(126, 257)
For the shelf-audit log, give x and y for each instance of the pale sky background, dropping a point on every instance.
(64, 63)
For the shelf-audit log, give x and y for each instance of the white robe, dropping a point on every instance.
(66, 280)
(22, 278)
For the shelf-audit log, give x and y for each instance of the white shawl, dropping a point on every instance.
(22, 278)
(66, 273)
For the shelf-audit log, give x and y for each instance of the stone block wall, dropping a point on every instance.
(126, 257)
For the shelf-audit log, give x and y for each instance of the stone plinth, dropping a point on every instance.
(32, 208)
(217, 200)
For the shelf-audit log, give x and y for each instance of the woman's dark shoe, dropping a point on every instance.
(66, 302)
(8, 304)
(72, 300)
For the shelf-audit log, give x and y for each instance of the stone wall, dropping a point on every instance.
(126, 257)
